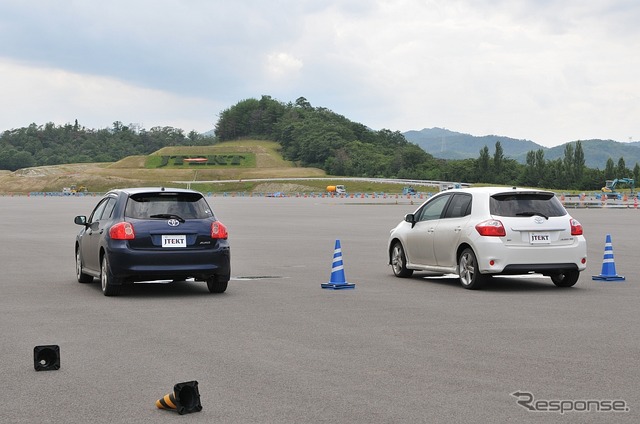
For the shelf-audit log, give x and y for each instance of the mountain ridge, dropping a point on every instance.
(446, 144)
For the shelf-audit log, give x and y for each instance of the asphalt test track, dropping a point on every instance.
(276, 348)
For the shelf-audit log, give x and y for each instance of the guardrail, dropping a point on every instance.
(598, 201)
(569, 201)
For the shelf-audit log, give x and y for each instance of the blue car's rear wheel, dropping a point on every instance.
(108, 281)
(81, 276)
(217, 284)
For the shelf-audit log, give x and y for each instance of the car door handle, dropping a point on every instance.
(457, 229)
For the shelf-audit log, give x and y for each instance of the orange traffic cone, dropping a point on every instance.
(185, 398)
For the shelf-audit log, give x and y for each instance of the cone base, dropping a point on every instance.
(338, 286)
(608, 277)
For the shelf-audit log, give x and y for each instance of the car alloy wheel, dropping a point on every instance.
(109, 288)
(399, 261)
(81, 276)
(470, 276)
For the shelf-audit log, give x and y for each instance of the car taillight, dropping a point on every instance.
(491, 227)
(576, 227)
(219, 231)
(122, 231)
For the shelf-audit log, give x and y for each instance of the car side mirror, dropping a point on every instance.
(80, 220)
(410, 218)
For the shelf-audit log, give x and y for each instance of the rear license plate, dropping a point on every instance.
(539, 238)
(174, 241)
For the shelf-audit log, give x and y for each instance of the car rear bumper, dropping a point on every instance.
(129, 265)
(500, 259)
(546, 269)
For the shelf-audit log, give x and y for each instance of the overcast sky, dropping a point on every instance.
(542, 70)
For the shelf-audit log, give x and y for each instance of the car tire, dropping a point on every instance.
(216, 284)
(565, 279)
(399, 261)
(468, 270)
(107, 280)
(81, 276)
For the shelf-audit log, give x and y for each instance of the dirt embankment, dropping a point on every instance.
(51, 178)
(131, 171)
(102, 177)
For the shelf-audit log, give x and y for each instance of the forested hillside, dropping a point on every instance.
(314, 137)
(318, 137)
(38, 145)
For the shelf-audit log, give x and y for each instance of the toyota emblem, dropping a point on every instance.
(173, 222)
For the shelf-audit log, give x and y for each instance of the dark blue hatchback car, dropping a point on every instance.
(147, 234)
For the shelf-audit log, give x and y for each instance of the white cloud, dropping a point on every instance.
(282, 65)
(501, 71)
(543, 70)
(42, 95)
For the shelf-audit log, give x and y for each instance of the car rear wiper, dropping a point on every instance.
(168, 216)
(530, 213)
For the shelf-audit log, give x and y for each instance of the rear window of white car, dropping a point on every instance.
(526, 204)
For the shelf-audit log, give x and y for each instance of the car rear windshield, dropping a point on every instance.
(167, 205)
(526, 204)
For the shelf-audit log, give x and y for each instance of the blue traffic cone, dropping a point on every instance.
(338, 280)
(608, 264)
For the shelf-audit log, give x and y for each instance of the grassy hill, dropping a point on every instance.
(132, 172)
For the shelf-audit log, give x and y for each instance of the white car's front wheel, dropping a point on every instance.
(399, 261)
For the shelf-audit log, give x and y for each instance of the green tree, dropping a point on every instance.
(541, 164)
(593, 179)
(609, 170)
(498, 159)
(303, 103)
(483, 165)
(459, 171)
(568, 163)
(554, 174)
(622, 171)
(578, 164)
(529, 173)
(13, 159)
(50, 144)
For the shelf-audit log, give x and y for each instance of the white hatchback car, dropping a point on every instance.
(479, 232)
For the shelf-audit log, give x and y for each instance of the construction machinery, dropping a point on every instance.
(337, 189)
(77, 189)
(610, 186)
